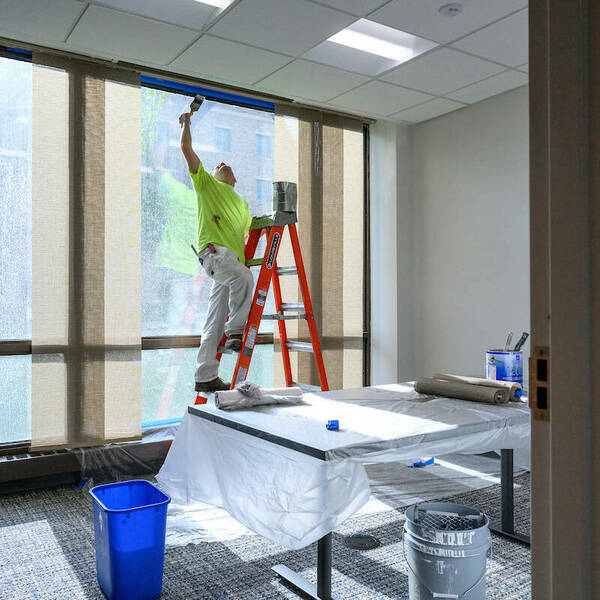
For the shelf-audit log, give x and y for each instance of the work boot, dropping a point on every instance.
(234, 342)
(214, 385)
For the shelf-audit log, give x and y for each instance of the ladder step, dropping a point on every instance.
(278, 317)
(287, 271)
(299, 346)
(254, 262)
(292, 306)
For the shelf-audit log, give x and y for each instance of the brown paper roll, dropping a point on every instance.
(463, 391)
(510, 385)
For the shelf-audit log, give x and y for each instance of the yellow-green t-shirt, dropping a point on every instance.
(223, 215)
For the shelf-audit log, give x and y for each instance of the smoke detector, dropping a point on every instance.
(451, 10)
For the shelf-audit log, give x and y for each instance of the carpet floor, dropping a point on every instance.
(47, 553)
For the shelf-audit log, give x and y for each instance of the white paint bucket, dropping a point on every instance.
(446, 548)
(504, 365)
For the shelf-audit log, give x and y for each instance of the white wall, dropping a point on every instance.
(405, 252)
(384, 252)
(470, 235)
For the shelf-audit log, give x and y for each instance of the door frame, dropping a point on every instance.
(565, 303)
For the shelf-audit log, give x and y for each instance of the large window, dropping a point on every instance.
(15, 245)
(79, 373)
(174, 288)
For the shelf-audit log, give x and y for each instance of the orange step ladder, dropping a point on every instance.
(284, 201)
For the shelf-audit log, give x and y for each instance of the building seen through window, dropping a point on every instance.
(264, 189)
(223, 139)
(264, 145)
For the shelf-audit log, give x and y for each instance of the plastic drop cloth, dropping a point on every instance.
(288, 497)
(294, 499)
(248, 395)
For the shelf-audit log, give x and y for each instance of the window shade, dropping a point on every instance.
(323, 154)
(86, 373)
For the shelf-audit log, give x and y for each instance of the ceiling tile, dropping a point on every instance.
(114, 33)
(379, 97)
(43, 20)
(286, 26)
(223, 59)
(490, 87)
(360, 8)
(428, 110)
(351, 59)
(442, 71)
(187, 13)
(505, 42)
(311, 80)
(422, 17)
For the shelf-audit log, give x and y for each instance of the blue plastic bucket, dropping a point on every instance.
(130, 519)
(504, 365)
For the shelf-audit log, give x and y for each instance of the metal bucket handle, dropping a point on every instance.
(436, 594)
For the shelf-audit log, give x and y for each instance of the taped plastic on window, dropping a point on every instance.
(127, 460)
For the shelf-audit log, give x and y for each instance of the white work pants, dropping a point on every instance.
(231, 294)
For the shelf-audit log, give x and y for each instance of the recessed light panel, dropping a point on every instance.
(217, 3)
(387, 42)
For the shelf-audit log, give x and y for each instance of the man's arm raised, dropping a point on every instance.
(186, 143)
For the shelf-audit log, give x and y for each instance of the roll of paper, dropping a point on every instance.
(237, 400)
(510, 385)
(462, 391)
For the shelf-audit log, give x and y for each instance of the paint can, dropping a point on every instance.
(504, 365)
(285, 196)
(446, 548)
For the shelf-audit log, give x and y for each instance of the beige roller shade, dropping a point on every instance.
(86, 377)
(325, 157)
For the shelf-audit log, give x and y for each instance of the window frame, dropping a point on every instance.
(19, 347)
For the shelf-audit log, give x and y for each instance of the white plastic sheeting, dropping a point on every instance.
(288, 497)
(294, 499)
(248, 395)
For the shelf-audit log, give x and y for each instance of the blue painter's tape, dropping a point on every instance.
(333, 425)
(422, 463)
(20, 51)
(159, 423)
(207, 92)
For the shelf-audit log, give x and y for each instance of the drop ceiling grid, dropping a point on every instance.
(178, 44)
(451, 96)
(300, 89)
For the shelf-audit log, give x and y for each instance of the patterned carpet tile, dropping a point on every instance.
(47, 553)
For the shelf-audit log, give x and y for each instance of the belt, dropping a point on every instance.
(211, 248)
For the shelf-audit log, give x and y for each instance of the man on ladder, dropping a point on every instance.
(223, 224)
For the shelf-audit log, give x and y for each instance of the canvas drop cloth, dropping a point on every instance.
(294, 499)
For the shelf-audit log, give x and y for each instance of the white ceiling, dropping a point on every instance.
(280, 46)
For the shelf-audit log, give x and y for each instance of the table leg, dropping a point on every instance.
(321, 591)
(507, 503)
(324, 567)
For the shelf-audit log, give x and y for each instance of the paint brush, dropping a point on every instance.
(196, 103)
(521, 341)
(508, 341)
